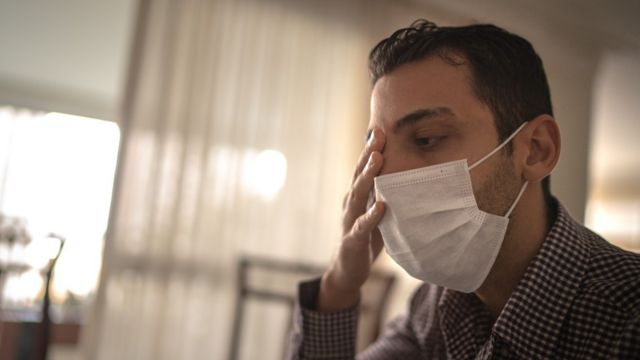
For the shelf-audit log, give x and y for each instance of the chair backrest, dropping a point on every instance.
(275, 281)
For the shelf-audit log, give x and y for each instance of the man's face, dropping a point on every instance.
(430, 115)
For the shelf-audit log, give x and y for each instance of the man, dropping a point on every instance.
(460, 148)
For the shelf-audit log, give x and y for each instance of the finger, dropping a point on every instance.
(375, 143)
(363, 185)
(359, 195)
(365, 224)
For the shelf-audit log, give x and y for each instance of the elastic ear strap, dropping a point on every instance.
(524, 186)
(499, 147)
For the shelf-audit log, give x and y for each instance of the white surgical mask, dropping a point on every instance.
(433, 227)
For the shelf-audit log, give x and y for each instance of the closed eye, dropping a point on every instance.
(426, 142)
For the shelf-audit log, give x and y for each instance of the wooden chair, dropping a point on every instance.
(275, 281)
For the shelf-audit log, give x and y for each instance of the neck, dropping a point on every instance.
(528, 227)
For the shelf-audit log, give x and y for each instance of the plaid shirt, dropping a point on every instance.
(578, 299)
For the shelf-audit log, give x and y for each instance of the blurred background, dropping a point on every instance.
(166, 140)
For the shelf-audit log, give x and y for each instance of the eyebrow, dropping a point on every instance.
(417, 116)
(420, 115)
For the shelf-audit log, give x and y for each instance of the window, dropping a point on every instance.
(56, 173)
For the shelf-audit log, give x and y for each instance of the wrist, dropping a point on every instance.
(334, 297)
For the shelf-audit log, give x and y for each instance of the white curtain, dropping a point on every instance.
(212, 85)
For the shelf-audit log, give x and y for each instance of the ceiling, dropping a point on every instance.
(608, 23)
(67, 56)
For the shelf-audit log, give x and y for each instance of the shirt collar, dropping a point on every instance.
(465, 323)
(533, 316)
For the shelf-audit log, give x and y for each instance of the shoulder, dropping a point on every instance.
(604, 308)
(613, 275)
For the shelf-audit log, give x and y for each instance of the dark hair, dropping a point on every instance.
(507, 73)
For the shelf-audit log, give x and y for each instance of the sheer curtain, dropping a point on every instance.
(212, 85)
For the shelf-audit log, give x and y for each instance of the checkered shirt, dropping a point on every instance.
(578, 299)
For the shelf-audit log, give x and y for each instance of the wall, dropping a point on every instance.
(614, 199)
(65, 55)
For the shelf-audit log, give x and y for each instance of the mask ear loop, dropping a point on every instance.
(524, 186)
(499, 147)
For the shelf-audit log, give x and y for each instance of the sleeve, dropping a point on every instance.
(332, 336)
(317, 335)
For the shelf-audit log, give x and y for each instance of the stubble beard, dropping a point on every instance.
(499, 191)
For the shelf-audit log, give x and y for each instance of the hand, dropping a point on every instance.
(361, 240)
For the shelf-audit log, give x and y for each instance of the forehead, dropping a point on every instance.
(427, 84)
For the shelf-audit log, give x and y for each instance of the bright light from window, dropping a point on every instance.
(617, 221)
(40, 251)
(57, 172)
(24, 288)
(264, 173)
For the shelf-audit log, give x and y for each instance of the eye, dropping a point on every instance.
(427, 141)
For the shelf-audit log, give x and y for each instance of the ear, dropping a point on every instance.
(538, 146)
